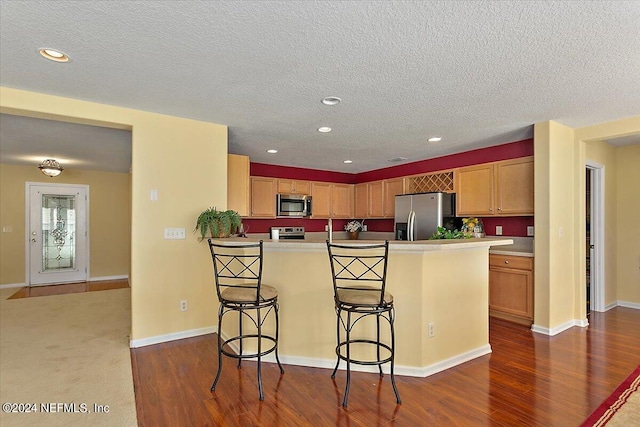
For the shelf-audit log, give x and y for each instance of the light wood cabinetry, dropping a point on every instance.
(361, 200)
(511, 288)
(332, 200)
(263, 197)
(290, 186)
(499, 188)
(391, 188)
(377, 199)
(238, 184)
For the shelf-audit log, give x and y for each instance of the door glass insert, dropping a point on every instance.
(58, 232)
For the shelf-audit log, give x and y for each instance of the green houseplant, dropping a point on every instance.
(218, 223)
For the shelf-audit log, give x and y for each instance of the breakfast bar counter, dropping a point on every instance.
(438, 282)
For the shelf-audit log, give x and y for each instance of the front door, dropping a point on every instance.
(57, 250)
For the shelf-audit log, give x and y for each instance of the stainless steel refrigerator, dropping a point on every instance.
(418, 216)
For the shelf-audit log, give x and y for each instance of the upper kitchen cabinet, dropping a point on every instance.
(238, 184)
(499, 188)
(332, 200)
(290, 186)
(377, 199)
(391, 188)
(514, 194)
(263, 197)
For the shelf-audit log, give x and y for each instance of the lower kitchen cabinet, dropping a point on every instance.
(511, 288)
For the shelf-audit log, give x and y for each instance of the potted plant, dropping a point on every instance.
(354, 227)
(218, 223)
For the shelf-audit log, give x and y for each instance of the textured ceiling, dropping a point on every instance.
(475, 73)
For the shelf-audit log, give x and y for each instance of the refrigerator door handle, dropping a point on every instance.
(412, 226)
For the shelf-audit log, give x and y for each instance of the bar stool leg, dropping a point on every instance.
(276, 307)
(393, 355)
(378, 345)
(346, 390)
(259, 356)
(240, 312)
(220, 315)
(338, 314)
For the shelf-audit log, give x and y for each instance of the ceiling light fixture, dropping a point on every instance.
(50, 168)
(348, 162)
(272, 151)
(331, 100)
(324, 129)
(435, 139)
(398, 159)
(54, 55)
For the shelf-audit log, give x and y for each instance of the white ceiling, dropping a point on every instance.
(475, 73)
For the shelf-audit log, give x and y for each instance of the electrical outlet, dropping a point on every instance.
(432, 330)
(365, 228)
(560, 233)
(326, 227)
(7, 229)
(174, 234)
(498, 230)
(183, 305)
(530, 230)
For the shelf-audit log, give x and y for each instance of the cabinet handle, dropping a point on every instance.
(506, 262)
(499, 209)
(490, 209)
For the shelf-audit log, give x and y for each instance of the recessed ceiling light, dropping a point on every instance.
(348, 162)
(331, 100)
(324, 129)
(272, 151)
(435, 139)
(398, 159)
(53, 55)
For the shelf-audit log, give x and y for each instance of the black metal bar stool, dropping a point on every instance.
(359, 281)
(238, 276)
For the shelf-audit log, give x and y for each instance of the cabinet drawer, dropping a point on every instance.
(510, 261)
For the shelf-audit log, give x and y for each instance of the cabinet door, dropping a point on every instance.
(392, 187)
(263, 197)
(475, 191)
(361, 208)
(285, 186)
(514, 193)
(510, 292)
(302, 187)
(290, 186)
(342, 200)
(321, 199)
(238, 184)
(375, 199)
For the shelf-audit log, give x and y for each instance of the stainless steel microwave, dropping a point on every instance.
(293, 205)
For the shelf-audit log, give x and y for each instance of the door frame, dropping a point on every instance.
(597, 297)
(27, 212)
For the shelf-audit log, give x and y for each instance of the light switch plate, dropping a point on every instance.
(498, 230)
(174, 234)
(530, 230)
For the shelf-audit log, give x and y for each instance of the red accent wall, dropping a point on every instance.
(276, 171)
(512, 150)
(511, 226)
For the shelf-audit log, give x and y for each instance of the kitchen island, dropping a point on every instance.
(439, 282)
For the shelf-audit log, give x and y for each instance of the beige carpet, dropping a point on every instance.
(69, 349)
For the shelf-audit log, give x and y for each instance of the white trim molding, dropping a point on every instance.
(628, 304)
(158, 339)
(107, 278)
(12, 285)
(583, 323)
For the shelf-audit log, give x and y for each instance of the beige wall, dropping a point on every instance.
(109, 220)
(628, 235)
(186, 162)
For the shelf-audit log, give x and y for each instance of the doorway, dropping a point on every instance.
(594, 233)
(57, 249)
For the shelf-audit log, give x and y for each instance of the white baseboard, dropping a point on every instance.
(409, 371)
(560, 328)
(629, 304)
(107, 278)
(12, 285)
(610, 306)
(172, 337)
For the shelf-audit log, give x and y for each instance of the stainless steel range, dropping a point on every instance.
(289, 232)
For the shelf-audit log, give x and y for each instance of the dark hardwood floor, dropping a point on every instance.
(528, 380)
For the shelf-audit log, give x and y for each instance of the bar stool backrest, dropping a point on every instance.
(237, 266)
(359, 267)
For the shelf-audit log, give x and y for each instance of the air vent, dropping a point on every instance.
(398, 159)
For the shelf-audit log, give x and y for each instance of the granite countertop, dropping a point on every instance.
(522, 246)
